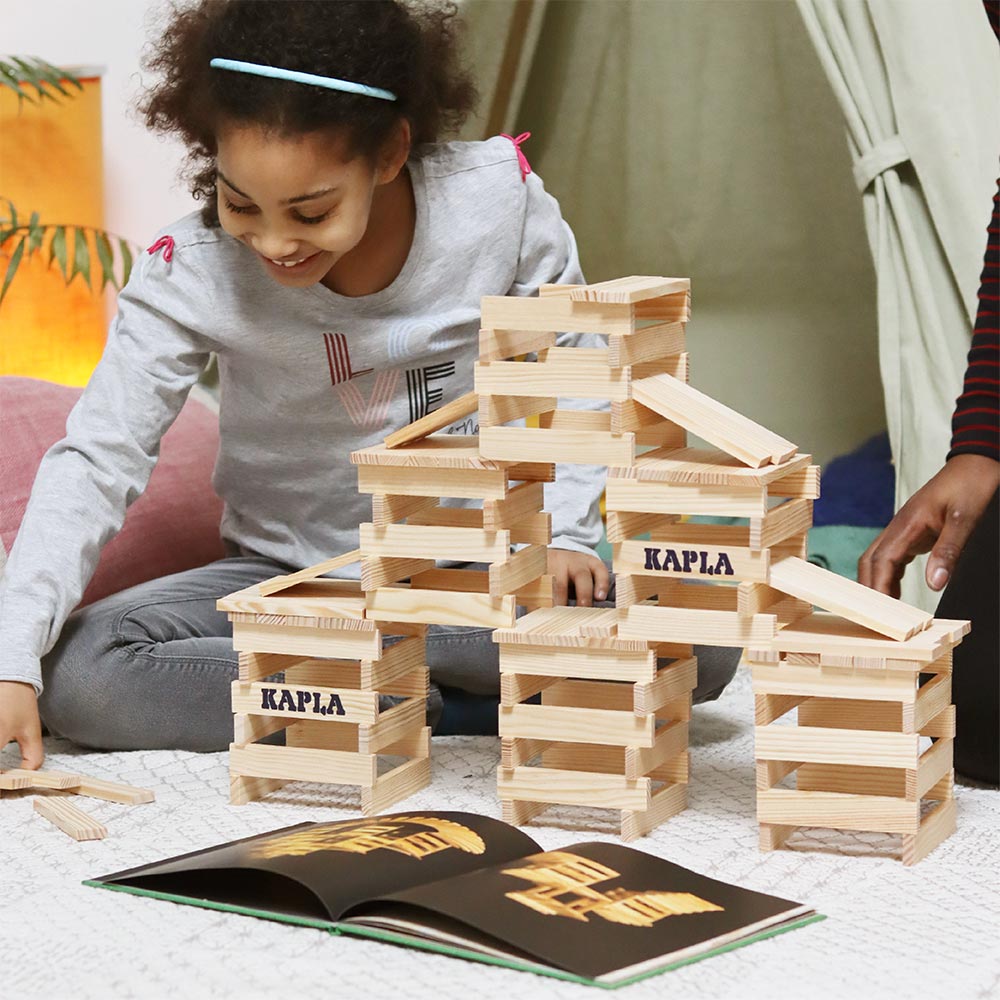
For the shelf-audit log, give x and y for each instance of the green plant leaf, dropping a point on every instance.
(28, 74)
(43, 72)
(35, 233)
(81, 255)
(15, 259)
(13, 213)
(107, 259)
(126, 261)
(57, 250)
(9, 79)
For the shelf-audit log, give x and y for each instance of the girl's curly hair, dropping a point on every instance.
(408, 48)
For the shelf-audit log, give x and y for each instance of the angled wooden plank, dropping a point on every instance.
(846, 598)
(714, 421)
(501, 345)
(434, 421)
(634, 288)
(277, 583)
(705, 466)
(71, 819)
(442, 451)
(494, 411)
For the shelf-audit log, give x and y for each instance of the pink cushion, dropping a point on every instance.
(173, 526)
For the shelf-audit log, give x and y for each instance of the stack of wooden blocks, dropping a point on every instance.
(337, 666)
(595, 702)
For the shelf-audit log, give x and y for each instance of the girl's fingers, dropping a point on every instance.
(583, 584)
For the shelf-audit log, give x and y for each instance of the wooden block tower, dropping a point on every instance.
(860, 747)
(336, 665)
(595, 703)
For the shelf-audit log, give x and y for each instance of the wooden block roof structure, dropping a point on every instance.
(680, 582)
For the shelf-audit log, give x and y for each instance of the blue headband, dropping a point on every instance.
(330, 82)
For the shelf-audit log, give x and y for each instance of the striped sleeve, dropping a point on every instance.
(975, 424)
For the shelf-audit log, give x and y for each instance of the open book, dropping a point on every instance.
(474, 887)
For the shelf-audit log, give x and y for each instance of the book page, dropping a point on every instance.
(593, 910)
(316, 871)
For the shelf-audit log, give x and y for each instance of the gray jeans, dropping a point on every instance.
(151, 667)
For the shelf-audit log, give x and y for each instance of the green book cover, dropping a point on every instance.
(476, 888)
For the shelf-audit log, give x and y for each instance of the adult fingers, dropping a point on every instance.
(882, 565)
(955, 533)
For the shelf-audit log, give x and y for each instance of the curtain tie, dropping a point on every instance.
(522, 160)
(884, 155)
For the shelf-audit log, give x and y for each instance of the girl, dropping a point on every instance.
(336, 271)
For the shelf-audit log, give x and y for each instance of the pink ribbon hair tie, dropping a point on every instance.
(522, 160)
(166, 244)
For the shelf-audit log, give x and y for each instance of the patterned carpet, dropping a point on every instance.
(891, 931)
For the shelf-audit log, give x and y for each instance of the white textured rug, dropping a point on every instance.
(930, 930)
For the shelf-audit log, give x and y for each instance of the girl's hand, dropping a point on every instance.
(938, 518)
(19, 721)
(588, 575)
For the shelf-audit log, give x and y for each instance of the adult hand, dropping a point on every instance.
(19, 721)
(938, 518)
(588, 574)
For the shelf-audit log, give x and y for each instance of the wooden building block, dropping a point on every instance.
(937, 826)
(314, 702)
(520, 503)
(494, 411)
(536, 594)
(302, 764)
(666, 802)
(478, 484)
(436, 607)
(836, 746)
(831, 682)
(520, 569)
(435, 421)
(628, 415)
(388, 509)
(845, 597)
(670, 740)
(307, 641)
(672, 681)
(16, 778)
(70, 819)
(587, 378)
(442, 451)
(665, 498)
(781, 523)
(245, 788)
(669, 558)
(309, 573)
(503, 345)
(392, 725)
(377, 571)
(934, 764)
(683, 466)
(579, 725)
(718, 628)
(647, 344)
(624, 525)
(400, 783)
(555, 313)
(581, 446)
(398, 660)
(784, 806)
(712, 420)
(113, 791)
(629, 290)
(803, 484)
(416, 541)
(582, 788)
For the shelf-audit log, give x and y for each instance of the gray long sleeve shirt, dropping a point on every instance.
(306, 375)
